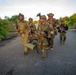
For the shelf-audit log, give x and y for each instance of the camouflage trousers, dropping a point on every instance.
(24, 38)
(42, 44)
(52, 40)
(62, 37)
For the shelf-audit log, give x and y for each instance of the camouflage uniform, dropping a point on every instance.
(42, 36)
(62, 30)
(23, 31)
(32, 30)
(53, 23)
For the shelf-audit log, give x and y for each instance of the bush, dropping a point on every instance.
(1, 37)
(3, 31)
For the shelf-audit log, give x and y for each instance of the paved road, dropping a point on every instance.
(61, 61)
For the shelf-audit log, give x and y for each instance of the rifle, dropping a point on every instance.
(38, 15)
(48, 39)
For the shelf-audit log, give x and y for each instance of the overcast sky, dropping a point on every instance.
(30, 8)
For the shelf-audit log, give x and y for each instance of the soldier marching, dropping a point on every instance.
(62, 29)
(23, 31)
(44, 34)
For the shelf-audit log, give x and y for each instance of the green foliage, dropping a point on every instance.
(71, 21)
(3, 31)
(14, 18)
(1, 36)
(6, 25)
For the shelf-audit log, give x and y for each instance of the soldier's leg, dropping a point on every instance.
(41, 46)
(55, 31)
(48, 44)
(24, 41)
(51, 43)
(22, 37)
(64, 38)
(61, 38)
(44, 50)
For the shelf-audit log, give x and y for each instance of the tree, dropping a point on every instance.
(72, 20)
(14, 18)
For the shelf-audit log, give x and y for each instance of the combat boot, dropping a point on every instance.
(43, 54)
(25, 51)
(52, 49)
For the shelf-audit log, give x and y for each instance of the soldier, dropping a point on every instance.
(23, 30)
(62, 30)
(42, 35)
(52, 22)
(32, 29)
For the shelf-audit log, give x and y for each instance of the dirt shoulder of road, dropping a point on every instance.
(10, 36)
(72, 29)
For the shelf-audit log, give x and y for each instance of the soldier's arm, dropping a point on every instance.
(16, 25)
(54, 21)
(26, 28)
(66, 27)
(39, 30)
(50, 27)
(34, 28)
(17, 30)
(51, 30)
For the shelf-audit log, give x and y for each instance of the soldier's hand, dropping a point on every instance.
(60, 28)
(31, 36)
(49, 36)
(36, 36)
(42, 32)
(17, 30)
(29, 31)
(52, 32)
(57, 26)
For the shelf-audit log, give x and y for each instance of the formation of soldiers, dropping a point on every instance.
(43, 36)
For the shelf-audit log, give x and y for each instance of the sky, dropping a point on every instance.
(30, 8)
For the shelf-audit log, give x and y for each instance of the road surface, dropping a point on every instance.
(61, 61)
